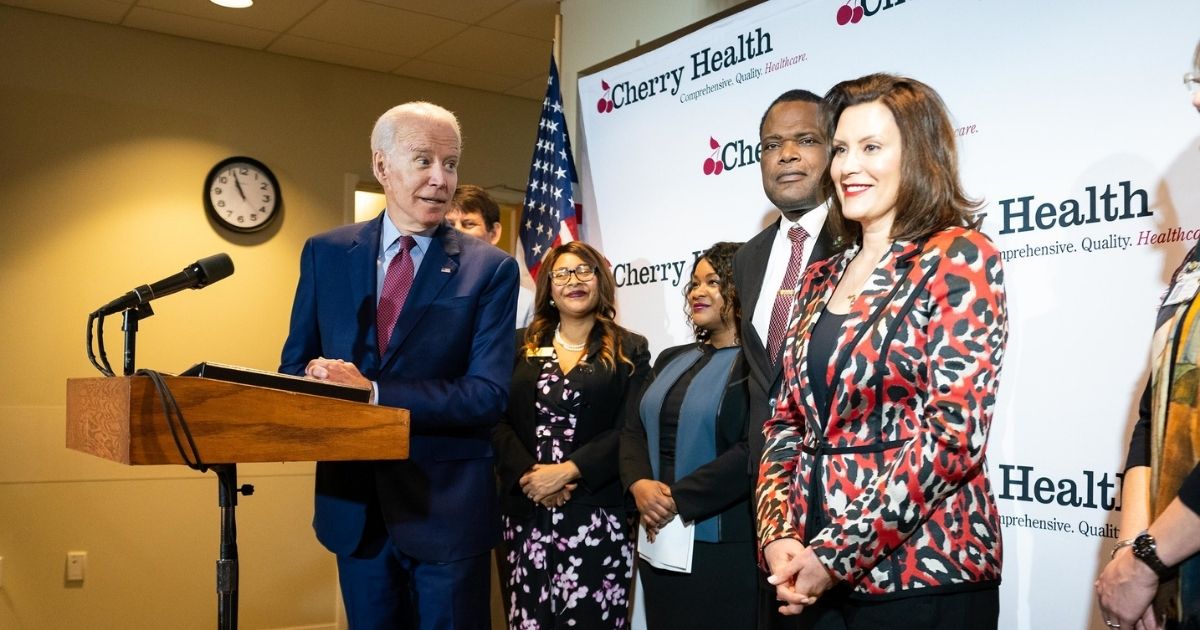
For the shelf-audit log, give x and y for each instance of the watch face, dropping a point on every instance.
(242, 194)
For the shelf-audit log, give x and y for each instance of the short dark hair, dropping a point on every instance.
(789, 96)
(720, 256)
(473, 199)
(931, 197)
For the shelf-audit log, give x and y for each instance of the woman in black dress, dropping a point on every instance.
(566, 558)
(684, 456)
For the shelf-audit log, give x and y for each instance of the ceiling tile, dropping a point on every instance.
(507, 54)
(198, 28)
(492, 51)
(110, 11)
(532, 18)
(533, 89)
(430, 71)
(375, 27)
(271, 16)
(335, 53)
(465, 11)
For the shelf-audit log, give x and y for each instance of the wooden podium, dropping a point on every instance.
(122, 419)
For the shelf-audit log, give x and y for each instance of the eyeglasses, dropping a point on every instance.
(1191, 81)
(562, 275)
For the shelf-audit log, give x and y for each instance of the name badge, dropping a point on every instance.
(543, 352)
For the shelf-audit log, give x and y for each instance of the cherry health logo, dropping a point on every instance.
(713, 166)
(850, 15)
(605, 105)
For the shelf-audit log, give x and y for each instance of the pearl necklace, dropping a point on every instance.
(573, 347)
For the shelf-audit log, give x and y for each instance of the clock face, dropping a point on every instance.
(242, 194)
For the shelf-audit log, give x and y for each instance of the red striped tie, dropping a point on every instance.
(787, 293)
(396, 284)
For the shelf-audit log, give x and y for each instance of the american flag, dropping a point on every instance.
(550, 216)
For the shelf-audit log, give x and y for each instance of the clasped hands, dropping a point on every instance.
(336, 371)
(798, 576)
(550, 484)
(654, 503)
(1125, 591)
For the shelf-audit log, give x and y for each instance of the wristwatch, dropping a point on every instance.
(1146, 550)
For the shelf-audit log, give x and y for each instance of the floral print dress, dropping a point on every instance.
(566, 567)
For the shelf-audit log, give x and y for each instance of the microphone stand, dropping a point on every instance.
(227, 563)
(129, 323)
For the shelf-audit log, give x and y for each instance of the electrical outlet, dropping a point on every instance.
(76, 565)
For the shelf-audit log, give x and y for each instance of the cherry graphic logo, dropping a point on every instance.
(605, 104)
(850, 15)
(713, 166)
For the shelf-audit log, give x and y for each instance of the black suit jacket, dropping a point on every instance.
(749, 265)
(609, 395)
(718, 487)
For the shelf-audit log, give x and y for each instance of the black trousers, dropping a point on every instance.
(970, 610)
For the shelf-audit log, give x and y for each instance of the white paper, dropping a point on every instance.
(672, 546)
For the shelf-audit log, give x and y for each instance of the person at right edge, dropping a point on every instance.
(873, 494)
(1153, 578)
(766, 271)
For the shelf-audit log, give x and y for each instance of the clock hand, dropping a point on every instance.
(239, 185)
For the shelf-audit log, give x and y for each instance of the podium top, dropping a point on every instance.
(276, 380)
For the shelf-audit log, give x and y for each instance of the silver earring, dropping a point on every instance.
(552, 302)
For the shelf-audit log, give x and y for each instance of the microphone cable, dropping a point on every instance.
(104, 366)
(175, 421)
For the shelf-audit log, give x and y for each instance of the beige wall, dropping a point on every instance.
(106, 135)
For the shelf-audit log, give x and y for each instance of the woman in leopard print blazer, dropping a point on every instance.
(874, 506)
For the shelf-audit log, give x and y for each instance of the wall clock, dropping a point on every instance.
(242, 194)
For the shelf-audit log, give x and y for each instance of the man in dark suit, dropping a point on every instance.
(408, 306)
(767, 268)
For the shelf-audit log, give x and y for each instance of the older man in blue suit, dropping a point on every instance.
(423, 315)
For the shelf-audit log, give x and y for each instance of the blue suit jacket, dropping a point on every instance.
(449, 363)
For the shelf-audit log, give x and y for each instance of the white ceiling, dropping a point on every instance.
(499, 46)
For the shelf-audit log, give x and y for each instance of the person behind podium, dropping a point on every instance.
(1153, 577)
(406, 305)
(873, 493)
(684, 458)
(566, 558)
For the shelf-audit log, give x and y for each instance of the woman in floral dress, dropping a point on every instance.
(566, 557)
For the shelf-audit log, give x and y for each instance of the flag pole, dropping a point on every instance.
(557, 50)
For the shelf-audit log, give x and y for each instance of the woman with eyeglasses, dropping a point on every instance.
(566, 558)
(685, 458)
(1153, 577)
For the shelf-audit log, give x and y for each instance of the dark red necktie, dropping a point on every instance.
(396, 284)
(787, 293)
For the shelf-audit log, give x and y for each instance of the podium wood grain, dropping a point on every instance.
(121, 419)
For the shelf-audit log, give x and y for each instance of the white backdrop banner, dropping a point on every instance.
(1075, 129)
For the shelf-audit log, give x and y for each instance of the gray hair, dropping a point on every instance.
(383, 136)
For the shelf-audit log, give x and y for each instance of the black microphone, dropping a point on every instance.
(197, 275)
